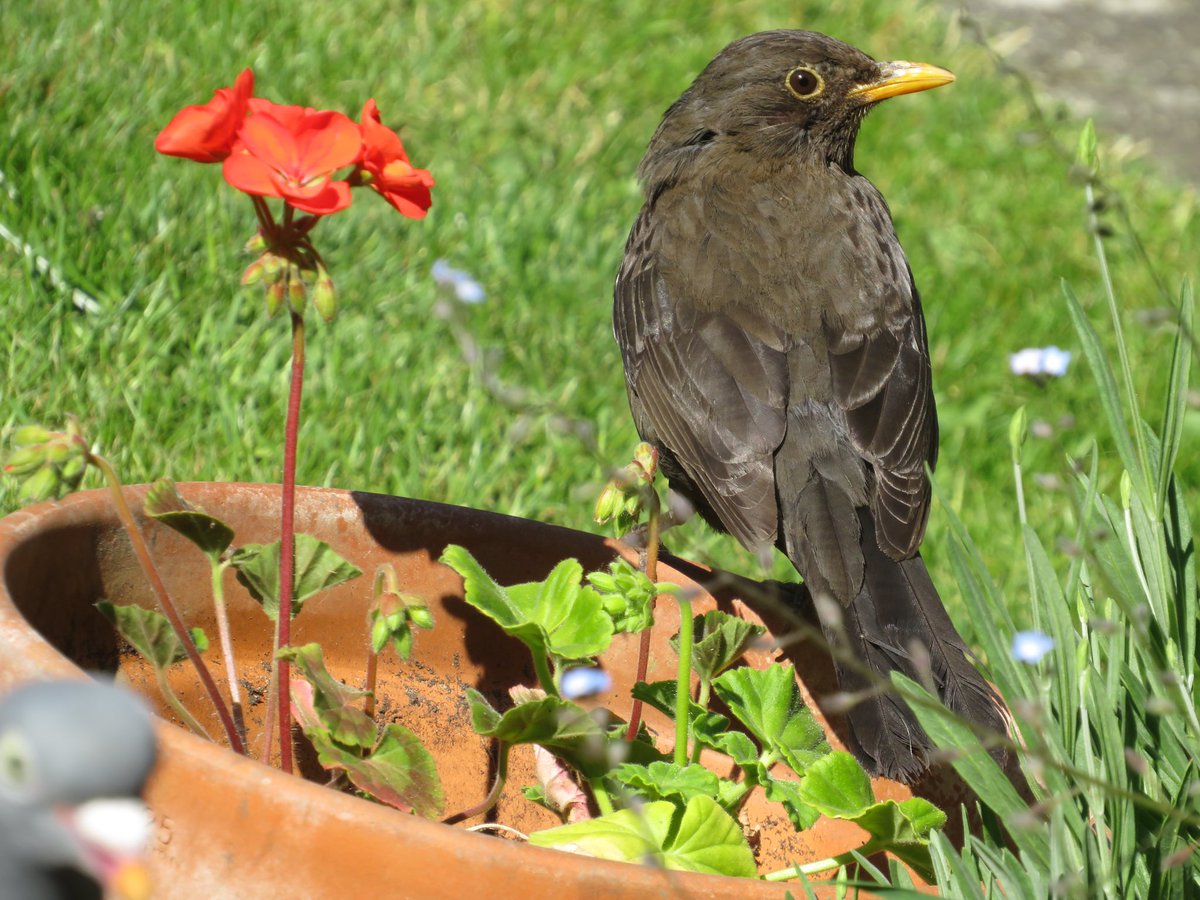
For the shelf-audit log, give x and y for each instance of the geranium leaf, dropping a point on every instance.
(712, 730)
(720, 640)
(837, 787)
(165, 504)
(667, 781)
(399, 771)
(331, 700)
(557, 617)
(150, 633)
(559, 725)
(317, 568)
(767, 701)
(787, 793)
(701, 838)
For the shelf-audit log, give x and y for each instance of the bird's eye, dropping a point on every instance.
(16, 762)
(805, 83)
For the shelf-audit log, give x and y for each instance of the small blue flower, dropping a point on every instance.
(466, 288)
(1031, 646)
(584, 682)
(1040, 361)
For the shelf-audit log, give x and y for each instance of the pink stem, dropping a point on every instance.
(287, 551)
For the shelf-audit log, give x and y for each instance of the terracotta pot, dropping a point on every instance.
(217, 812)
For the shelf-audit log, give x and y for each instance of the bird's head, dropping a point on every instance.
(780, 94)
(74, 759)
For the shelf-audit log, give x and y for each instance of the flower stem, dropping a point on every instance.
(493, 796)
(372, 669)
(683, 681)
(287, 550)
(173, 701)
(603, 799)
(652, 531)
(235, 693)
(165, 604)
(823, 865)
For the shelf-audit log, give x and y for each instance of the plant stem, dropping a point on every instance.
(493, 795)
(372, 671)
(683, 681)
(823, 865)
(235, 692)
(544, 677)
(287, 530)
(173, 701)
(165, 604)
(652, 533)
(603, 799)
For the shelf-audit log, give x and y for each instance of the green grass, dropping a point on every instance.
(533, 118)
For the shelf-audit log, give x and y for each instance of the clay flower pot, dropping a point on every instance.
(217, 812)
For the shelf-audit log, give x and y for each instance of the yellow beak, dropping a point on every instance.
(901, 77)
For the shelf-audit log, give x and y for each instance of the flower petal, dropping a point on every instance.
(334, 197)
(272, 142)
(327, 141)
(207, 133)
(250, 175)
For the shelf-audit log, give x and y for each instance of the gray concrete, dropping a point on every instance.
(1133, 65)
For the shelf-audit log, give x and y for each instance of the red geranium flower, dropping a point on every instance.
(392, 175)
(291, 152)
(207, 133)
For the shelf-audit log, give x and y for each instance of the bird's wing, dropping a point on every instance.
(882, 381)
(709, 386)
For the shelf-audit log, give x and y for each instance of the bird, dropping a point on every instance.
(776, 356)
(74, 760)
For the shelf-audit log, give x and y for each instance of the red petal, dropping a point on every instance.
(334, 198)
(271, 141)
(327, 142)
(250, 175)
(207, 133)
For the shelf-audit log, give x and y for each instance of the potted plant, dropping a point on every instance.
(228, 826)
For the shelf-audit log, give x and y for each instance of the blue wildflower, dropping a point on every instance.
(466, 288)
(1031, 646)
(584, 682)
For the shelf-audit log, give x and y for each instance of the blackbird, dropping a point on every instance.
(775, 355)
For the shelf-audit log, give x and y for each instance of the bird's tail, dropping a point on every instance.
(897, 623)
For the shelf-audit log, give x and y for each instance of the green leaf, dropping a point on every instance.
(317, 568)
(573, 733)
(659, 694)
(328, 708)
(720, 640)
(210, 534)
(704, 838)
(786, 792)
(837, 787)
(667, 781)
(556, 617)
(712, 730)
(150, 633)
(768, 702)
(399, 771)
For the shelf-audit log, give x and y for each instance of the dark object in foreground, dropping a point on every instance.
(775, 354)
(74, 759)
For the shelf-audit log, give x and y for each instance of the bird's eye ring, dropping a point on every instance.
(804, 83)
(16, 764)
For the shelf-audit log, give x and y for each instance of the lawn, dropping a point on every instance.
(533, 118)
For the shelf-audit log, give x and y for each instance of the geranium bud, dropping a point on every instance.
(31, 434)
(296, 293)
(39, 486)
(421, 616)
(647, 457)
(256, 244)
(609, 503)
(275, 293)
(324, 298)
(72, 471)
(56, 452)
(255, 272)
(24, 461)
